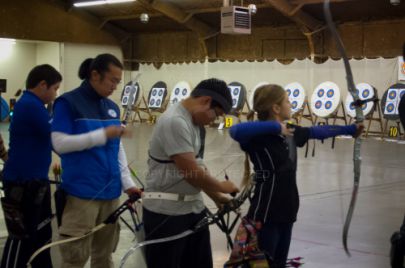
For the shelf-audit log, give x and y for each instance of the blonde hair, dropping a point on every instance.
(263, 100)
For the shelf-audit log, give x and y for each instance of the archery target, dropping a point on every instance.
(180, 91)
(390, 101)
(325, 99)
(136, 96)
(238, 94)
(157, 95)
(296, 96)
(365, 91)
(252, 94)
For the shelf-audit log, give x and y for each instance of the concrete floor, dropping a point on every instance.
(325, 184)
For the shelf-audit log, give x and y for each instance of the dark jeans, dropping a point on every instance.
(36, 208)
(191, 251)
(274, 240)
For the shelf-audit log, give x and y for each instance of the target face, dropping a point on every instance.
(131, 93)
(157, 95)
(325, 99)
(364, 91)
(125, 100)
(238, 94)
(394, 95)
(296, 97)
(180, 92)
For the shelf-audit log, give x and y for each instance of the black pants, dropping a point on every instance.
(191, 251)
(274, 240)
(36, 208)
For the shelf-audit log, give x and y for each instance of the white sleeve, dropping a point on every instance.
(64, 143)
(126, 179)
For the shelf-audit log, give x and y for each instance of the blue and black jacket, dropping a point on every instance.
(92, 173)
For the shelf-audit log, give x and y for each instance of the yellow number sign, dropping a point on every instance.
(228, 122)
(393, 131)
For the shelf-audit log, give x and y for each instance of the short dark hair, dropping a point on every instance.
(44, 72)
(219, 92)
(101, 64)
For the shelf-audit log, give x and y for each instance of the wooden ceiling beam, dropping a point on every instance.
(296, 14)
(311, 2)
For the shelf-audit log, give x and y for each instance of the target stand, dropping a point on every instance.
(326, 102)
(157, 102)
(390, 102)
(371, 109)
(299, 103)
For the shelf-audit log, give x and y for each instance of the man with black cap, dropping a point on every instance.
(173, 201)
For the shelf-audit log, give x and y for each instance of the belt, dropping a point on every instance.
(171, 196)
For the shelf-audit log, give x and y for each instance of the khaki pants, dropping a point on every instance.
(79, 217)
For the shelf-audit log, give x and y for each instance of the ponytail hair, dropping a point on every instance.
(101, 64)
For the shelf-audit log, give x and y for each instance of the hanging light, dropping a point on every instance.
(99, 2)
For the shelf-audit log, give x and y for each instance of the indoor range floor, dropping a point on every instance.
(325, 183)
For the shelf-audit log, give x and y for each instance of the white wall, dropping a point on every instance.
(15, 66)
(75, 54)
(380, 73)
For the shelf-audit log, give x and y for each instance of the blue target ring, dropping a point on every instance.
(328, 105)
(158, 103)
(160, 93)
(318, 104)
(392, 95)
(321, 92)
(236, 91)
(184, 92)
(294, 104)
(366, 93)
(233, 102)
(296, 93)
(288, 92)
(154, 92)
(330, 93)
(390, 107)
(152, 102)
(176, 91)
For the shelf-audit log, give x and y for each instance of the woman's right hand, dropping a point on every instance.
(114, 131)
(286, 131)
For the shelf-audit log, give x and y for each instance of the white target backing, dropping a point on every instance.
(325, 99)
(180, 91)
(296, 95)
(157, 95)
(125, 96)
(252, 94)
(365, 91)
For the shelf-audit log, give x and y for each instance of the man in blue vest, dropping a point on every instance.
(27, 201)
(86, 134)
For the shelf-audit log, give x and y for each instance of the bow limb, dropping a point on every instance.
(112, 218)
(232, 205)
(359, 119)
(60, 242)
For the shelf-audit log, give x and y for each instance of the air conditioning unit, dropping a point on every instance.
(235, 20)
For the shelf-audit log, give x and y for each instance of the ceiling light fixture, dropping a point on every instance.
(100, 2)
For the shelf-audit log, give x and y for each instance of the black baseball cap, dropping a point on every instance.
(218, 90)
